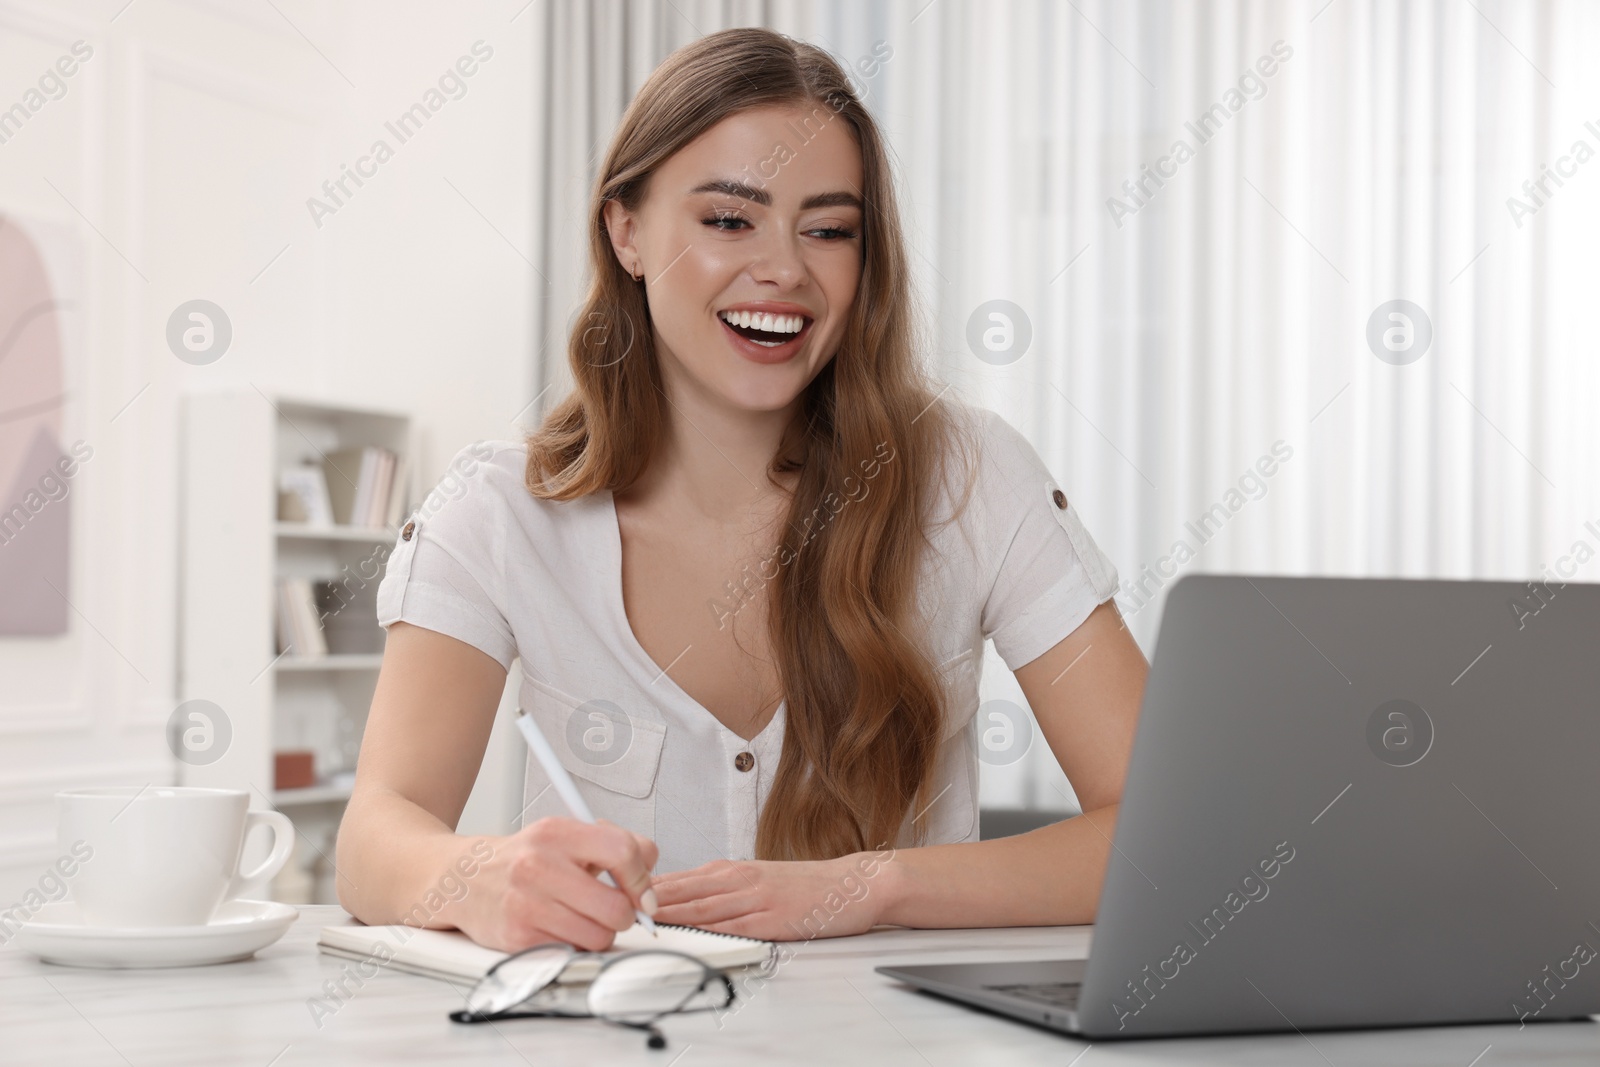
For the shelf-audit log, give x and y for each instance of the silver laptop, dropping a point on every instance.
(1351, 803)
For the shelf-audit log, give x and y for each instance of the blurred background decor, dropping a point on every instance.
(1276, 287)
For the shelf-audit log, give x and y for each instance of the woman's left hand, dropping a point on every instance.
(778, 900)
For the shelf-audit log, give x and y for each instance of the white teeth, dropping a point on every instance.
(769, 323)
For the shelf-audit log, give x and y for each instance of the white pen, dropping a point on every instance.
(569, 792)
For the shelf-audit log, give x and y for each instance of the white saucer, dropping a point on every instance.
(57, 934)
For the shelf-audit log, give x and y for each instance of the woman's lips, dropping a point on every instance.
(762, 353)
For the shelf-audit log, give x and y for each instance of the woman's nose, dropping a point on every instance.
(780, 261)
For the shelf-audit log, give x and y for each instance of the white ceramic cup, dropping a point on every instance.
(163, 855)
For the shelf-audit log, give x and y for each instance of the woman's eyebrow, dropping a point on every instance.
(745, 191)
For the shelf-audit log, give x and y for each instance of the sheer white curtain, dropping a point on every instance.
(1191, 335)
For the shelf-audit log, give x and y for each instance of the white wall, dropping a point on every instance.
(182, 155)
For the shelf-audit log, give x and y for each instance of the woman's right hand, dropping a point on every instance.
(399, 855)
(542, 884)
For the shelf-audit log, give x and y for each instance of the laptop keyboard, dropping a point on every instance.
(1055, 994)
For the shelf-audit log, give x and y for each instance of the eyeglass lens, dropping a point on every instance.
(643, 987)
(518, 978)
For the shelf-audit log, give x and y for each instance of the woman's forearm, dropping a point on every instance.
(1046, 877)
(397, 863)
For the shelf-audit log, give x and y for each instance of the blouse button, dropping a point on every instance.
(744, 761)
(411, 528)
(1060, 498)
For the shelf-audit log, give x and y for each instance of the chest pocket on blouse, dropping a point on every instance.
(611, 752)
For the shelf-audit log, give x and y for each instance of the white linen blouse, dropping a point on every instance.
(540, 582)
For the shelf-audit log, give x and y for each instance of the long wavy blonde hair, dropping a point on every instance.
(865, 707)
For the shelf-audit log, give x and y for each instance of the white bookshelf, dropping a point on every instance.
(234, 550)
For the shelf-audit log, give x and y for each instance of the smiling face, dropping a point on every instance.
(749, 239)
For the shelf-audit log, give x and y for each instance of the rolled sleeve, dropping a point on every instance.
(1050, 574)
(441, 572)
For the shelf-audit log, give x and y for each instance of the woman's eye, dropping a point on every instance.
(732, 223)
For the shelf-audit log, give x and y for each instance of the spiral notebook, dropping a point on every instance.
(450, 954)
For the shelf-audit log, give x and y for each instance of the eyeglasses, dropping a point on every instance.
(632, 989)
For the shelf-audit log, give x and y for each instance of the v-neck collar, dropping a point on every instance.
(618, 605)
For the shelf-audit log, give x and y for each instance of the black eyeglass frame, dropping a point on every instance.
(708, 974)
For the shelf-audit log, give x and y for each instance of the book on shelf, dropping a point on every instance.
(344, 470)
(397, 495)
(348, 608)
(364, 486)
(299, 622)
(378, 507)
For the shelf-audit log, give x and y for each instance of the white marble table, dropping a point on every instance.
(825, 1006)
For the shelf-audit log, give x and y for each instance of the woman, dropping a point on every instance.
(747, 567)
